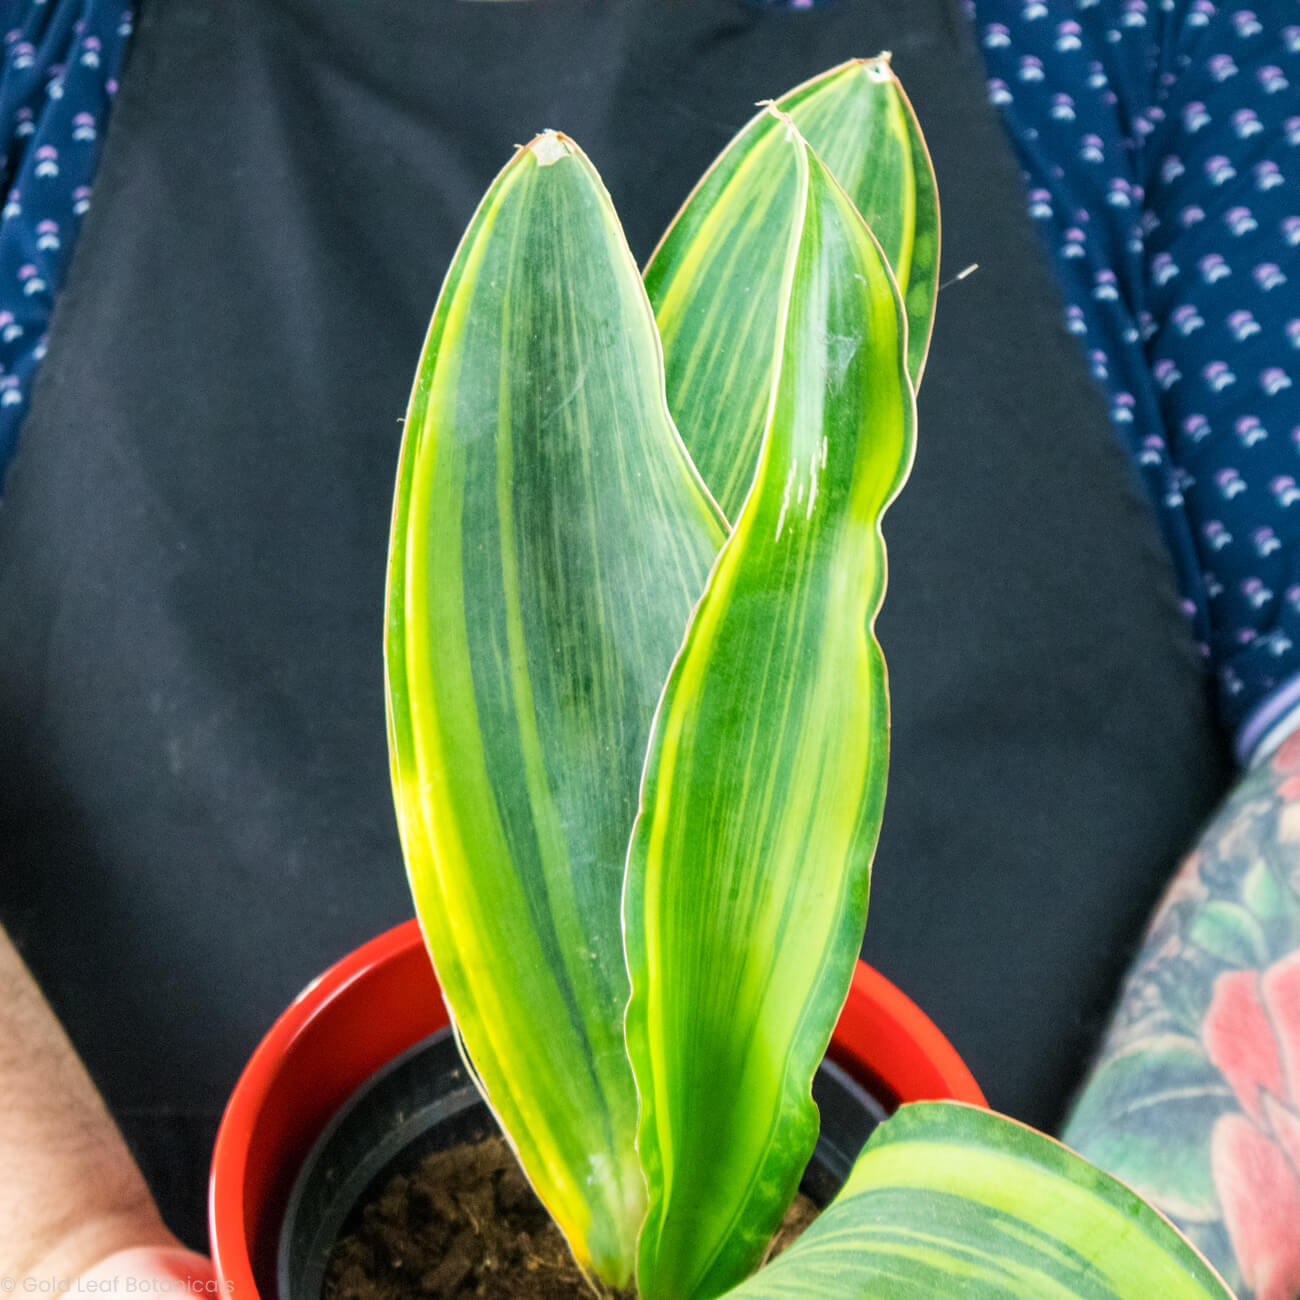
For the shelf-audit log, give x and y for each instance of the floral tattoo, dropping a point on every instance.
(1195, 1098)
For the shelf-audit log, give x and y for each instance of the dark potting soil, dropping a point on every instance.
(467, 1224)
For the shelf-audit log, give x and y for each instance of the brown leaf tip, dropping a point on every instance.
(550, 147)
(879, 68)
(771, 106)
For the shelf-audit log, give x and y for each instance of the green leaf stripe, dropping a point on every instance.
(749, 867)
(550, 538)
(952, 1200)
(716, 278)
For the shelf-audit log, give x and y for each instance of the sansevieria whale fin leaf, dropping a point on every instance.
(716, 278)
(952, 1200)
(749, 865)
(550, 538)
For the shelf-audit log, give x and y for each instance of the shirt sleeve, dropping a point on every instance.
(1222, 177)
(1160, 141)
(58, 74)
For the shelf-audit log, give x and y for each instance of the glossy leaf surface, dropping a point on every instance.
(550, 538)
(716, 279)
(749, 866)
(952, 1200)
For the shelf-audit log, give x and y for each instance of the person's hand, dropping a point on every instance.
(75, 1212)
(151, 1271)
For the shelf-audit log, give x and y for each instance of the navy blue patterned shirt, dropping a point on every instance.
(57, 81)
(1160, 141)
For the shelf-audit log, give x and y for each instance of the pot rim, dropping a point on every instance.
(331, 1037)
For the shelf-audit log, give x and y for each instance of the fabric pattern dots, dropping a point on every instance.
(1160, 141)
(61, 61)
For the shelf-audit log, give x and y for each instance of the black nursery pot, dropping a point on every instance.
(347, 1085)
(424, 1101)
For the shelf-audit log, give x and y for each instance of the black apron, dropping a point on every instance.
(194, 806)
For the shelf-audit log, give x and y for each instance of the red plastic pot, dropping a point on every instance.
(383, 998)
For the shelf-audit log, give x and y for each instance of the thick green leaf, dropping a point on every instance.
(716, 279)
(550, 537)
(749, 866)
(950, 1200)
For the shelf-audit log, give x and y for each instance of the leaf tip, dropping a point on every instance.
(879, 68)
(550, 147)
(771, 106)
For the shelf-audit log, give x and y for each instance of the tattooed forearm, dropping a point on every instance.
(1195, 1098)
